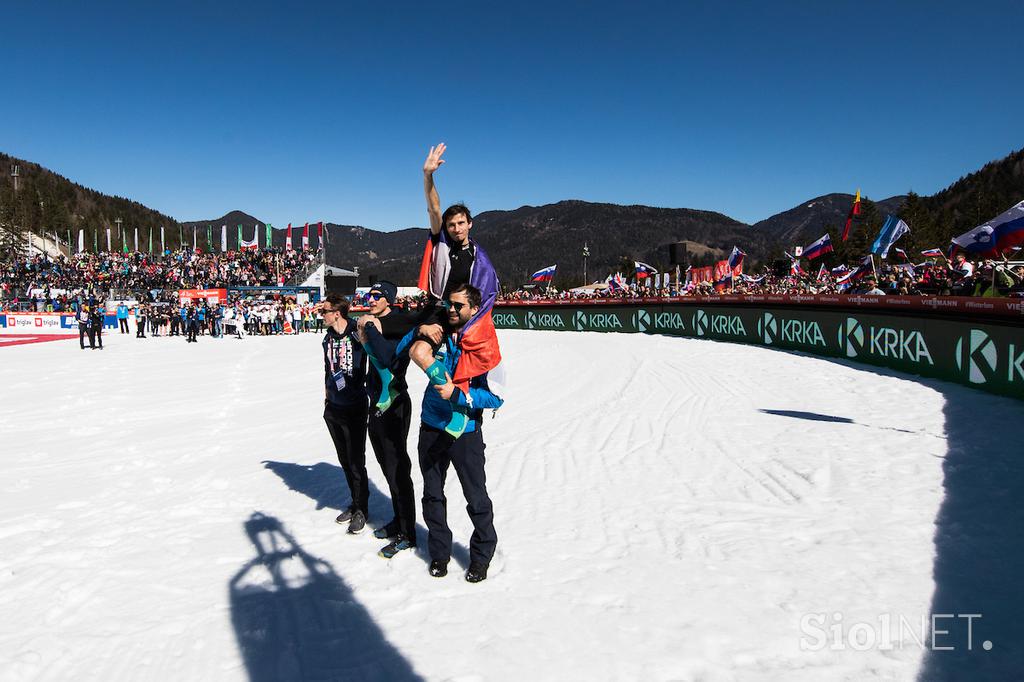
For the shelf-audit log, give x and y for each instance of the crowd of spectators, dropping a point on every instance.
(47, 283)
(931, 278)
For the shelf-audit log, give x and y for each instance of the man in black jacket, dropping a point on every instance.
(96, 321)
(390, 412)
(345, 406)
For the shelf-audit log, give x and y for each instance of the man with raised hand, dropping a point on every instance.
(451, 259)
(380, 331)
(345, 406)
(438, 448)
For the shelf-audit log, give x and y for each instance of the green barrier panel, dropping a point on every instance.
(983, 354)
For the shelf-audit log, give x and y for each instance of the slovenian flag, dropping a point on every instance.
(735, 258)
(996, 237)
(932, 253)
(545, 275)
(643, 270)
(865, 267)
(901, 253)
(818, 248)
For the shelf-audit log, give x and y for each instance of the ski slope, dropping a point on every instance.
(667, 509)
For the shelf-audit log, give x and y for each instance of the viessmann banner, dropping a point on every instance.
(985, 355)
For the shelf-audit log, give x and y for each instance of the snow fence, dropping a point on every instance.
(970, 341)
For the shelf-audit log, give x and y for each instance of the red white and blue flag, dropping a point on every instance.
(818, 248)
(932, 253)
(616, 283)
(736, 258)
(643, 270)
(822, 273)
(996, 237)
(544, 275)
(901, 253)
(865, 267)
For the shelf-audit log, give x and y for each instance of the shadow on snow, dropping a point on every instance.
(296, 619)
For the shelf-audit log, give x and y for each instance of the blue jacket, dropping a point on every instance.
(436, 411)
(122, 312)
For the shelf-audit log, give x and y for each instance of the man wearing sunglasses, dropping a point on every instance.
(390, 411)
(438, 448)
(345, 406)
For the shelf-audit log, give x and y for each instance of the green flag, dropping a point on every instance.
(239, 237)
(270, 236)
(95, 244)
(209, 239)
(151, 240)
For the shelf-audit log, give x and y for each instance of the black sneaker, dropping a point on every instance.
(439, 569)
(400, 543)
(387, 532)
(358, 523)
(345, 516)
(476, 573)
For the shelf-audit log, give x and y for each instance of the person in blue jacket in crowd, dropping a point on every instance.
(122, 318)
(438, 449)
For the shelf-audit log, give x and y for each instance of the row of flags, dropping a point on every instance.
(243, 244)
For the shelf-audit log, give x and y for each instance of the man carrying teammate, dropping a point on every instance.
(451, 260)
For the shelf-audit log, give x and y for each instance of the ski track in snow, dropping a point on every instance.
(654, 523)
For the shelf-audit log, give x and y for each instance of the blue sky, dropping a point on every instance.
(326, 110)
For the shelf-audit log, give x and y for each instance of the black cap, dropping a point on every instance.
(387, 289)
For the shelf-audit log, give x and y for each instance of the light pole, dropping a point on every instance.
(586, 255)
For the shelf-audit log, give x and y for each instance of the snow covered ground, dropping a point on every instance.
(666, 509)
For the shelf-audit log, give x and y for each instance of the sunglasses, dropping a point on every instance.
(374, 295)
(455, 305)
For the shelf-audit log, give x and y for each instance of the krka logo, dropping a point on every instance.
(978, 357)
(884, 342)
(772, 329)
(595, 321)
(767, 328)
(505, 320)
(544, 321)
(716, 323)
(851, 337)
(670, 321)
(641, 320)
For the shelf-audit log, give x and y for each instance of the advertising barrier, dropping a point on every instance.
(49, 323)
(985, 353)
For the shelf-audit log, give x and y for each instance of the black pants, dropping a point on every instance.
(348, 431)
(122, 325)
(193, 327)
(98, 331)
(140, 328)
(389, 434)
(83, 331)
(437, 450)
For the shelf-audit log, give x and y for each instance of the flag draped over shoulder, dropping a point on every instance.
(854, 210)
(478, 339)
(893, 229)
(1000, 235)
